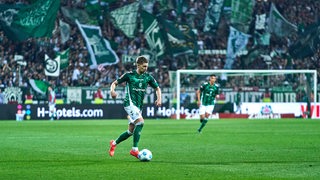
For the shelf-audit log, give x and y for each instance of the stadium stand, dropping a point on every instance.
(301, 13)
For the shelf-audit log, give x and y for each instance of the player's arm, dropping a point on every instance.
(198, 97)
(158, 93)
(112, 89)
(218, 91)
(114, 84)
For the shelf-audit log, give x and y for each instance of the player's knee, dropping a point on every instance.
(129, 132)
(140, 123)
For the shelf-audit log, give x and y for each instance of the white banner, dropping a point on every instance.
(298, 109)
(52, 66)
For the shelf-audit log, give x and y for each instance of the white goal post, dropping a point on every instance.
(238, 73)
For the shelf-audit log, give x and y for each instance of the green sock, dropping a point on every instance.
(203, 123)
(136, 134)
(125, 135)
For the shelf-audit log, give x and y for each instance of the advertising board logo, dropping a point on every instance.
(266, 109)
(23, 113)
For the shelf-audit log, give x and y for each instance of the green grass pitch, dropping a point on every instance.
(226, 149)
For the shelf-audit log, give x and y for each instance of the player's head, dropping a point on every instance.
(50, 88)
(212, 78)
(142, 64)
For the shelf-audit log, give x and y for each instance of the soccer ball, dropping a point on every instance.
(145, 155)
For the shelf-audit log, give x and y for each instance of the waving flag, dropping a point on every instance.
(39, 85)
(153, 34)
(125, 18)
(237, 42)
(98, 47)
(213, 15)
(52, 66)
(35, 20)
(278, 24)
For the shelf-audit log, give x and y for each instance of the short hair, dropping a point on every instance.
(141, 60)
(213, 75)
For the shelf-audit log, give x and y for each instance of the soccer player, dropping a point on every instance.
(136, 84)
(52, 103)
(206, 96)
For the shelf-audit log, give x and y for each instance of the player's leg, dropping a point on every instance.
(202, 111)
(125, 135)
(203, 122)
(137, 119)
(51, 111)
(122, 137)
(137, 132)
(55, 112)
(204, 118)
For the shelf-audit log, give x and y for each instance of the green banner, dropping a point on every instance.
(35, 20)
(64, 59)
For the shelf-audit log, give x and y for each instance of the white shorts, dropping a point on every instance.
(134, 113)
(206, 109)
(52, 107)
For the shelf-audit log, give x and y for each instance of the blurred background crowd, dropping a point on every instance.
(300, 13)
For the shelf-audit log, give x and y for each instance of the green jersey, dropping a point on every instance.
(208, 93)
(136, 85)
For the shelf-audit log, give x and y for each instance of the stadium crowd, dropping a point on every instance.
(301, 13)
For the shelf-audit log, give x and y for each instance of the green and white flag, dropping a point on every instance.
(241, 15)
(125, 18)
(64, 59)
(154, 36)
(260, 23)
(52, 66)
(64, 31)
(35, 20)
(39, 85)
(261, 39)
(99, 48)
(308, 42)
(278, 25)
(237, 41)
(181, 39)
(73, 14)
(213, 16)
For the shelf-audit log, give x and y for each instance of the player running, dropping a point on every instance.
(136, 84)
(206, 96)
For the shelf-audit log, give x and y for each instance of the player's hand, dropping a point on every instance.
(158, 102)
(198, 103)
(113, 94)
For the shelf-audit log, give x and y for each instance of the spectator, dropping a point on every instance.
(98, 97)
(1, 97)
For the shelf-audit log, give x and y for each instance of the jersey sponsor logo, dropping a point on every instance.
(136, 89)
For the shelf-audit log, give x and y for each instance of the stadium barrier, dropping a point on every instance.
(116, 111)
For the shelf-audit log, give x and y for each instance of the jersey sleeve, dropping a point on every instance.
(217, 88)
(152, 82)
(123, 78)
(202, 86)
